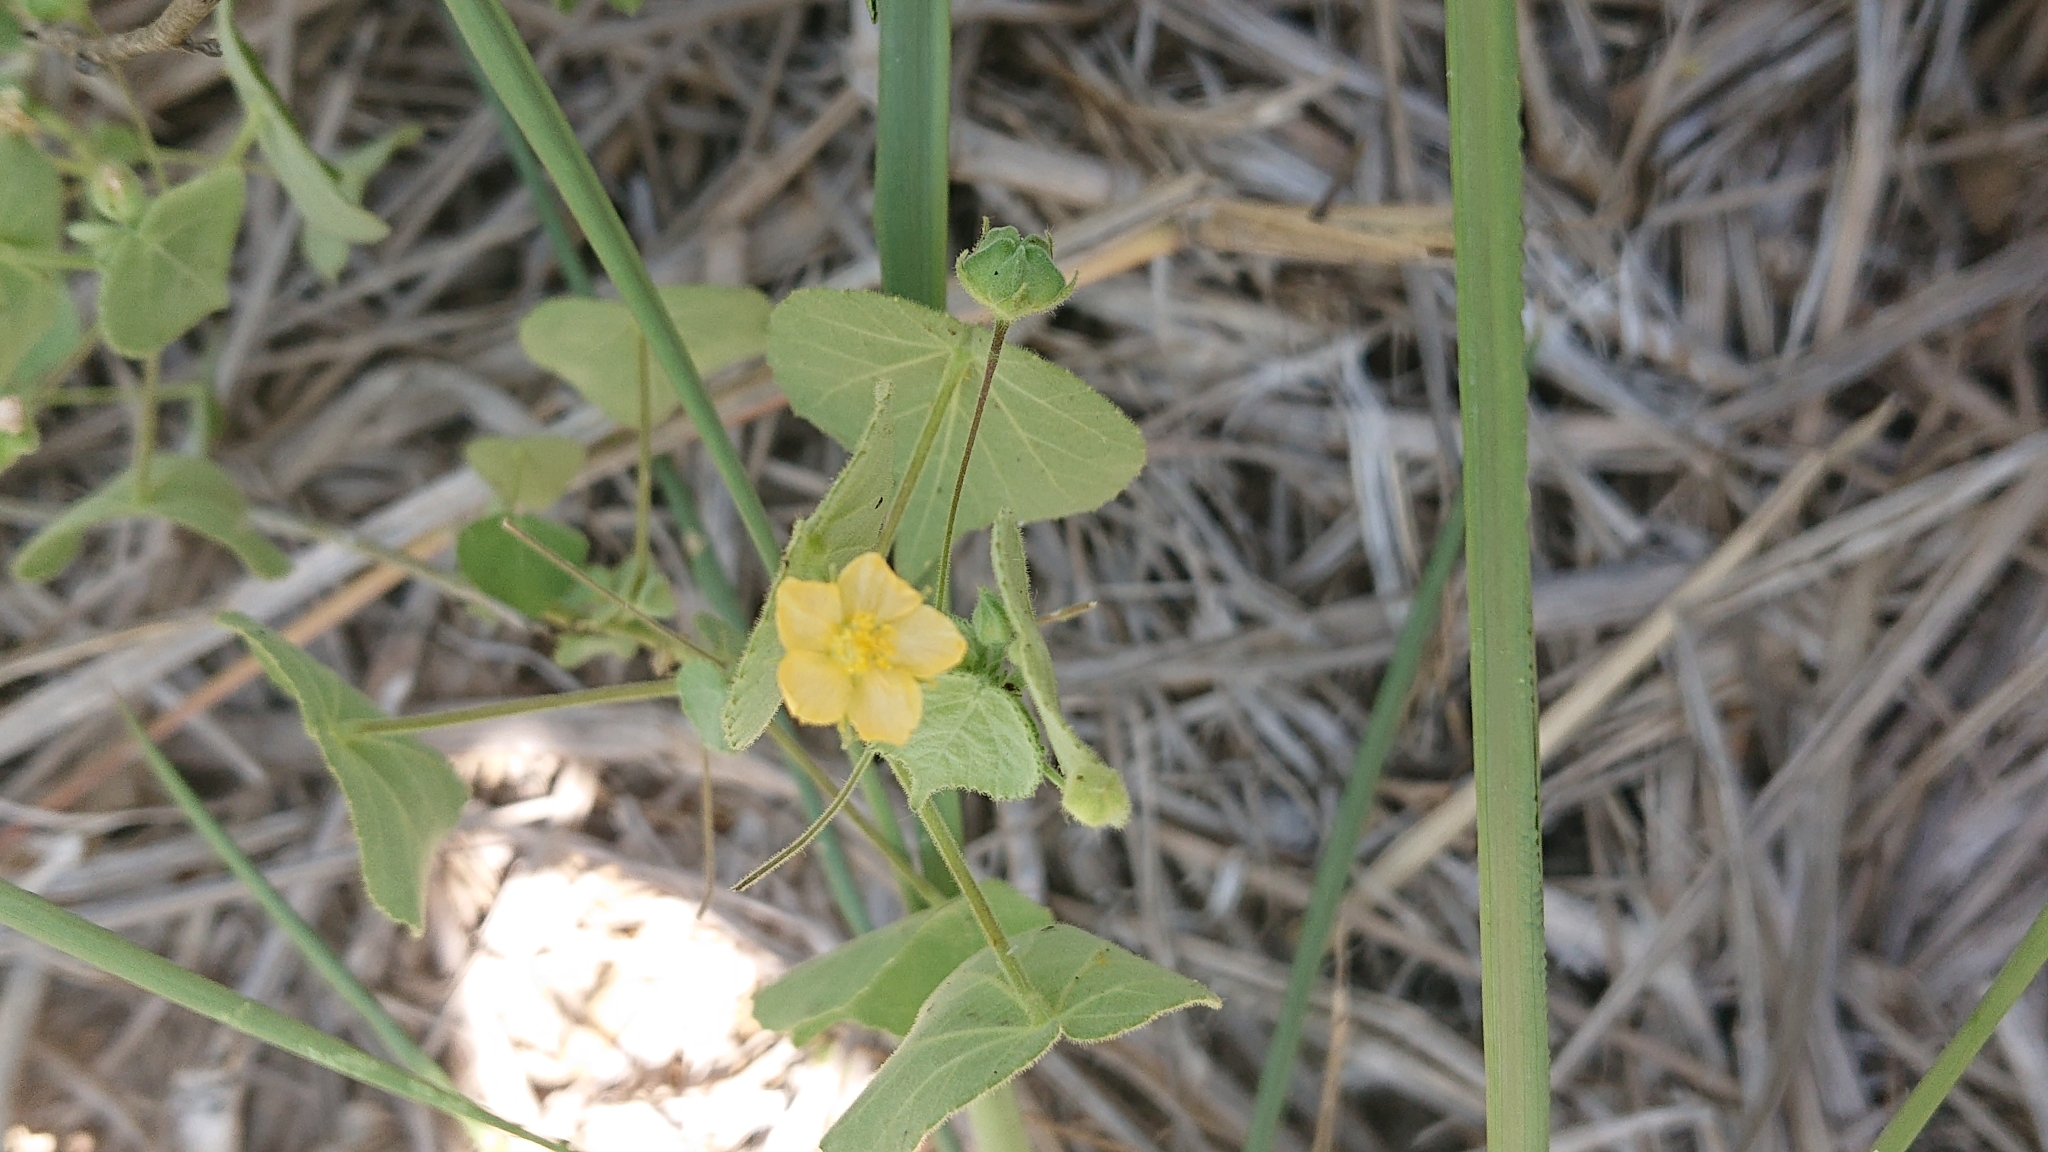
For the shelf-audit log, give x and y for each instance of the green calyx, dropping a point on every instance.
(1013, 275)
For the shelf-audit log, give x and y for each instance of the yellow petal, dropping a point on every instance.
(868, 585)
(807, 613)
(815, 688)
(886, 707)
(927, 643)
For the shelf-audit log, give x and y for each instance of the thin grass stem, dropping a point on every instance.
(524, 705)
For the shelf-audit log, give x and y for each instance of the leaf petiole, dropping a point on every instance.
(427, 721)
(607, 595)
(956, 371)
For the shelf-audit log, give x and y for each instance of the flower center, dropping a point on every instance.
(863, 645)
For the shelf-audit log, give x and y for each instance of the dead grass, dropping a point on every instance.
(1794, 827)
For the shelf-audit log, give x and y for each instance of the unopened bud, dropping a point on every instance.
(1013, 275)
(1094, 792)
(116, 194)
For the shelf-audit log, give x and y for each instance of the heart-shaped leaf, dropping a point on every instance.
(882, 978)
(503, 566)
(187, 490)
(975, 736)
(700, 689)
(169, 271)
(847, 523)
(528, 473)
(310, 181)
(976, 1032)
(598, 349)
(402, 795)
(1049, 445)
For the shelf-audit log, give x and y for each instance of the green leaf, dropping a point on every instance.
(608, 628)
(700, 688)
(1049, 445)
(975, 736)
(503, 566)
(882, 978)
(310, 181)
(33, 194)
(528, 473)
(1091, 791)
(402, 795)
(846, 523)
(171, 269)
(187, 490)
(598, 349)
(975, 1033)
(327, 251)
(32, 375)
(31, 302)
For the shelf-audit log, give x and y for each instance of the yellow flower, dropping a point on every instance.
(859, 647)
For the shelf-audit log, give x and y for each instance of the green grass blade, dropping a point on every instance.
(1486, 191)
(512, 74)
(1333, 870)
(315, 950)
(2019, 971)
(547, 207)
(910, 148)
(81, 939)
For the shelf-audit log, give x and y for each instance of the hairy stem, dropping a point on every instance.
(988, 379)
(906, 873)
(956, 863)
(609, 694)
(632, 610)
(804, 838)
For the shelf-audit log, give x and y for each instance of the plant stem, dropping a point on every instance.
(817, 825)
(510, 70)
(1340, 847)
(911, 114)
(877, 794)
(632, 610)
(428, 721)
(935, 418)
(1486, 188)
(146, 420)
(956, 863)
(814, 776)
(2019, 971)
(997, 1121)
(988, 379)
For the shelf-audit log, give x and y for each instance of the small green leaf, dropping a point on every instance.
(326, 251)
(33, 194)
(187, 490)
(598, 349)
(171, 270)
(529, 473)
(846, 523)
(55, 11)
(608, 630)
(882, 978)
(307, 179)
(503, 566)
(1091, 791)
(975, 736)
(700, 687)
(1049, 445)
(402, 795)
(975, 1033)
(32, 374)
(31, 302)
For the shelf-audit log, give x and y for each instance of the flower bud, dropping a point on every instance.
(991, 624)
(1094, 792)
(1013, 275)
(116, 194)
